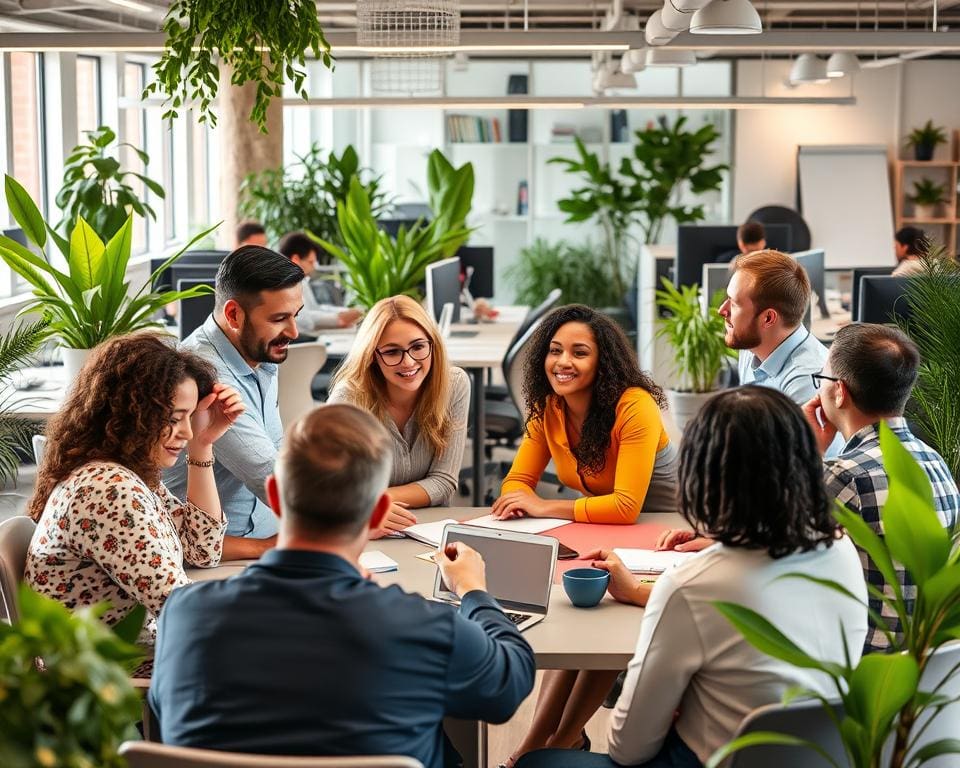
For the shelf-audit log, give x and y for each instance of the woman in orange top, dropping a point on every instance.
(597, 415)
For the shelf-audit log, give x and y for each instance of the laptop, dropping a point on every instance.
(520, 569)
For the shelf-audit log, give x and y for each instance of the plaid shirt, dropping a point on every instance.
(857, 479)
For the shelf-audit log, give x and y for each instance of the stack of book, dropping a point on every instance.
(471, 128)
(562, 133)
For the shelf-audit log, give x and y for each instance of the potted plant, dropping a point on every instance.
(579, 271)
(882, 703)
(699, 350)
(927, 198)
(95, 187)
(304, 195)
(77, 706)
(925, 139)
(260, 41)
(450, 194)
(17, 346)
(92, 300)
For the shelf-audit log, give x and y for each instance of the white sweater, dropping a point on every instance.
(690, 658)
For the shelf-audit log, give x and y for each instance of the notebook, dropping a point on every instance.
(377, 562)
(651, 561)
(520, 524)
(428, 533)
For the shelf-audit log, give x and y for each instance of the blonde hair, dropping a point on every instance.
(361, 374)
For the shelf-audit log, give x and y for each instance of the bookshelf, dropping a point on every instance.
(944, 225)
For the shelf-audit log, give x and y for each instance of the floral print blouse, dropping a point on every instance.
(105, 536)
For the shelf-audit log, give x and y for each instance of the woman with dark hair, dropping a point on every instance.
(751, 479)
(597, 416)
(107, 528)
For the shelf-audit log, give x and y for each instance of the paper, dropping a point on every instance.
(428, 533)
(520, 524)
(377, 562)
(651, 561)
(429, 557)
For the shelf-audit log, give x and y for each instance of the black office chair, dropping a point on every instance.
(778, 214)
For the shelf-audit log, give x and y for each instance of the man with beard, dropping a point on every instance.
(258, 297)
(767, 297)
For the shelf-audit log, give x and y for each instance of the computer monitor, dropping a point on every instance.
(714, 278)
(813, 262)
(858, 273)
(699, 245)
(883, 299)
(190, 258)
(194, 312)
(481, 279)
(206, 273)
(443, 286)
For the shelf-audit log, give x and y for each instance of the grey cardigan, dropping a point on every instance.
(413, 459)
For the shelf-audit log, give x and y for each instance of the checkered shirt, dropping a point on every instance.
(857, 479)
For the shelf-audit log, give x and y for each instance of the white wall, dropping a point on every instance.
(890, 102)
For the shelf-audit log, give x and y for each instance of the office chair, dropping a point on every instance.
(778, 214)
(141, 754)
(15, 535)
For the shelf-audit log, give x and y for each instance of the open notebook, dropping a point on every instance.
(651, 561)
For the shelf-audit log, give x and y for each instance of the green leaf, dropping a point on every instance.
(881, 684)
(86, 256)
(934, 749)
(129, 627)
(25, 212)
(765, 738)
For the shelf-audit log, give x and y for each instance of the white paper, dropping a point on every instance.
(651, 561)
(520, 524)
(429, 533)
(377, 562)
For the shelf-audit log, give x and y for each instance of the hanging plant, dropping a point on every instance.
(263, 41)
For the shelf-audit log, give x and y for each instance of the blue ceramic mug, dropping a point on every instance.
(585, 586)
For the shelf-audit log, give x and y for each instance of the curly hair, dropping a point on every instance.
(119, 410)
(617, 371)
(751, 474)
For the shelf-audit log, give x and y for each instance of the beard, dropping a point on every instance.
(262, 350)
(745, 339)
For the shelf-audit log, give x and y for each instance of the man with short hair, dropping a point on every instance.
(866, 379)
(258, 296)
(302, 251)
(751, 236)
(767, 297)
(251, 233)
(302, 655)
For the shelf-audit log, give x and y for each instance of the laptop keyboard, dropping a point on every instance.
(517, 618)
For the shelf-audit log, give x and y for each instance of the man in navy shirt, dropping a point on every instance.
(302, 655)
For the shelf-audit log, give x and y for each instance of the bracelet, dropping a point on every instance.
(194, 462)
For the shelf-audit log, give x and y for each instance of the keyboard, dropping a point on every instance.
(518, 618)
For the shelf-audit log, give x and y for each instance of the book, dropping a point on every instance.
(651, 561)
(428, 533)
(519, 524)
(377, 562)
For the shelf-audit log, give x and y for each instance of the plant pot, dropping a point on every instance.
(73, 361)
(926, 211)
(685, 405)
(923, 152)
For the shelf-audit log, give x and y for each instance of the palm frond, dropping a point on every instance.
(17, 346)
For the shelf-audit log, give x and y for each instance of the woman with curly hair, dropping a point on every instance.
(107, 528)
(694, 677)
(597, 415)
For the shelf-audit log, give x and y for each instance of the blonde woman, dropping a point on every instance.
(398, 370)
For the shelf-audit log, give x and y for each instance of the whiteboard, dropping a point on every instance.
(845, 200)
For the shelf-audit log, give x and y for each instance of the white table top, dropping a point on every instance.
(603, 637)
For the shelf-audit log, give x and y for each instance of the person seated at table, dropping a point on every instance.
(108, 530)
(689, 658)
(302, 654)
(397, 369)
(597, 415)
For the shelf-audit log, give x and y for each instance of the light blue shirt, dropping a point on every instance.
(246, 452)
(788, 367)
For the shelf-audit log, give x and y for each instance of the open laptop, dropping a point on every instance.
(520, 570)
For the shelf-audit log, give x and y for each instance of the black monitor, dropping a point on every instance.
(443, 287)
(698, 245)
(858, 273)
(194, 312)
(195, 258)
(481, 279)
(883, 299)
(813, 262)
(206, 273)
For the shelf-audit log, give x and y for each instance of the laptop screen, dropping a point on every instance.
(519, 572)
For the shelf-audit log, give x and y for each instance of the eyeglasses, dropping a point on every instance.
(419, 350)
(819, 377)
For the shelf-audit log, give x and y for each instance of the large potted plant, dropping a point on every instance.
(260, 41)
(927, 198)
(925, 139)
(77, 705)
(304, 195)
(92, 301)
(579, 271)
(17, 347)
(883, 705)
(96, 188)
(699, 349)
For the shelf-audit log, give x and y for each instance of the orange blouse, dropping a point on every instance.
(615, 495)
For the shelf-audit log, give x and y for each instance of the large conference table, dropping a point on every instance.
(603, 637)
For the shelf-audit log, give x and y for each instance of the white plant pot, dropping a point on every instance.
(685, 405)
(930, 211)
(73, 361)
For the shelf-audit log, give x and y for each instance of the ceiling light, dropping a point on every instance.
(614, 78)
(841, 64)
(634, 60)
(655, 32)
(809, 69)
(727, 17)
(665, 57)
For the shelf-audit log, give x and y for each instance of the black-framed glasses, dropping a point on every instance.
(418, 351)
(819, 377)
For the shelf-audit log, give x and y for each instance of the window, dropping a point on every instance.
(25, 150)
(88, 95)
(134, 125)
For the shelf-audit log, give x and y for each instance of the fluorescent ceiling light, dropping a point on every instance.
(667, 57)
(571, 102)
(809, 68)
(727, 17)
(841, 64)
(634, 60)
(133, 5)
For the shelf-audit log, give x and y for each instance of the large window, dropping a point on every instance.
(134, 124)
(88, 95)
(26, 155)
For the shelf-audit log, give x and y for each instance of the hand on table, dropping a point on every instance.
(462, 568)
(397, 518)
(215, 414)
(519, 504)
(624, 586)
(346, 318)
(682, 540)
(823, 430)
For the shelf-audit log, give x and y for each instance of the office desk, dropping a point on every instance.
(39, 402)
